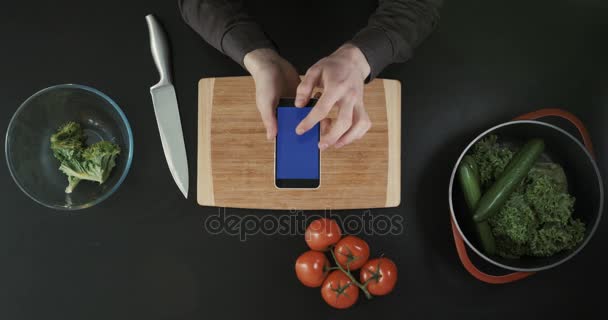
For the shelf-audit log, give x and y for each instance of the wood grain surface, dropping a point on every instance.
(236, 162)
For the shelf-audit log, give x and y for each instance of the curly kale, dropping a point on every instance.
(546, 192)
(93, 163)
(491, 158)
(537, 219)
(553, 172)
(67, 141)
(555, 237)
(516, 221)
(507, 248)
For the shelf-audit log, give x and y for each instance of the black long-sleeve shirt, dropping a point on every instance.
(392, 32)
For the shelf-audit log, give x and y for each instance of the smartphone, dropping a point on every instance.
(297, 157)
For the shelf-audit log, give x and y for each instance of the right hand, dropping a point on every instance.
(342, 76)
(274, 78)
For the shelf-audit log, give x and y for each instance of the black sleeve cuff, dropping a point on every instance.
(242, 39)
(377, 48)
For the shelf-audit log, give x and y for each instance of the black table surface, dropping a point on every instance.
(144, 252)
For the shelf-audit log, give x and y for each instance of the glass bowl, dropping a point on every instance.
(27, 146)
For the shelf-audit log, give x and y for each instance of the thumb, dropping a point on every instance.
(306, 87)
(292, 82)
(266, 108)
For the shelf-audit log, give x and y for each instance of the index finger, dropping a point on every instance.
(319, 111)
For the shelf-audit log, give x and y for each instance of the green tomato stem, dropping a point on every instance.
(350, 275)
(367, 282)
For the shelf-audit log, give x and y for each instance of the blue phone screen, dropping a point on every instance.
(297, 157)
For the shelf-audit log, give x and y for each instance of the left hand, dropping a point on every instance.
(274, 78)
(342, 76)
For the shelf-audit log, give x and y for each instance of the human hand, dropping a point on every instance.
(274, 78)
(342, 77)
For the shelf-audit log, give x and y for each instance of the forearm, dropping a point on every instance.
(225, 25)
(394, 30)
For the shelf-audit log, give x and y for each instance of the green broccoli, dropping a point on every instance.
(93, 163)
(537, 219)
(491, 158)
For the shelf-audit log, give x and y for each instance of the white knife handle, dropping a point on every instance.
(160, 49)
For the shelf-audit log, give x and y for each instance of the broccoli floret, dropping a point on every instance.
(67, 141)
(491, 158)
(94, 163)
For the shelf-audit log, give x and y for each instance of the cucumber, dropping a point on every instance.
(515, 172)
(486, 237)
(469, 180)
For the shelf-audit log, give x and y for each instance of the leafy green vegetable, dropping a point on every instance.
(491, 159)
(72, 183)
(67, 141)
(537, 219)
(93, 163)
(551, 204)
(555, 237)
(507, 248)
(516, 221)
(554, 172)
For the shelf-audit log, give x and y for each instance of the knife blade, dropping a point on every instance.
(166, 109)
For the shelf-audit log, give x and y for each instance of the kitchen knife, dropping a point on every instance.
(165, 108)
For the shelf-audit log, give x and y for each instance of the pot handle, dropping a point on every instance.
(460, 245)
(461, 249)
(553, 112)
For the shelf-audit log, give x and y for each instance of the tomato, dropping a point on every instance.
(311, 268)
(381, 274)
(352, 252)
(322, 233)
(339, 291)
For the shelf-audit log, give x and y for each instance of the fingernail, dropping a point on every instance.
(299, 130)
(339, 145)
(322, 146)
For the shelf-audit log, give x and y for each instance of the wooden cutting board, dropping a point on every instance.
(236, 162)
